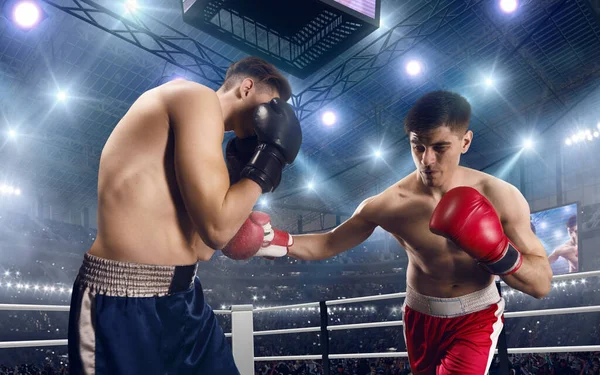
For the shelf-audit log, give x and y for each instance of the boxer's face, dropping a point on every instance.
(436, 153)
(573, 233)
(250, 96)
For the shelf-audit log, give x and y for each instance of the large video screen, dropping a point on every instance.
(366, 7)
(557, 229)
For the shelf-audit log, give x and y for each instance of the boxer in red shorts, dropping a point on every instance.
(459, 226)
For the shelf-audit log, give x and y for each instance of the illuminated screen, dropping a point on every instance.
(557, 229)
(366, 7)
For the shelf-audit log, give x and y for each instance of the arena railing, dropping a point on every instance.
(242, 322)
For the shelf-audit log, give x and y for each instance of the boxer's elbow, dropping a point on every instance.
(213, 237)
(542, 288)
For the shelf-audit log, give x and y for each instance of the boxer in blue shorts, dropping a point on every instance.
(166, 199)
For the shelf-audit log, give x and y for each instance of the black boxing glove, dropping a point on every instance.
(238, 153)
(279, 139)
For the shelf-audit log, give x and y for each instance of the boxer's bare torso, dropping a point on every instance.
(568, 251)
(141, 214)
(436, 267)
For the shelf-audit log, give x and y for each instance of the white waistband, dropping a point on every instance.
(452, 307)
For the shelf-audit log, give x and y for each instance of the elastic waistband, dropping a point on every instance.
(452, 307)
(122, 279)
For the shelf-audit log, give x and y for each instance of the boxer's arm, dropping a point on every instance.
(216, 208)
(557, 253)
(535, 275)
(346, 236)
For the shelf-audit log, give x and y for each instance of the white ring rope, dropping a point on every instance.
(560, 311)
(556, 349)
(286, 331)
(286, 307)
(14, 307)
(515, 314)
(365, 299)
(392, 323)
(34, 343)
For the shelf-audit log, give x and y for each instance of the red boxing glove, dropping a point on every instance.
(468, 219)
(256, 237)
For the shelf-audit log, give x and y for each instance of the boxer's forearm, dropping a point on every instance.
(311, 247)
(534, 277)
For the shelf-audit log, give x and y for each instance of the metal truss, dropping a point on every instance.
(202, 61)
(175, 47)
(391, 45)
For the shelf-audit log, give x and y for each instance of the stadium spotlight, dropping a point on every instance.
(568, 141)
(489, 82)
(509, 6)
(26, 14)
(131, 6)
(61, 96)
(528, 144)
(378, 154)
(310, 186)
(328, 118)
(263, 201)
(413, 68)
(12, 133)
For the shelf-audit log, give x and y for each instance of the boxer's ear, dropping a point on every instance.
(466, 141)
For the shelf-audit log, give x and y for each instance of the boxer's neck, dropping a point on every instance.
(228, 101)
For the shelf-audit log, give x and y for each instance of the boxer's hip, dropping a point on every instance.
(452, 335)
(135, 318)
(452, 307)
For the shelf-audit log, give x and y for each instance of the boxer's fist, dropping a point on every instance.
(257, 237)
(467, 218)
(279, 137)
(238, 153)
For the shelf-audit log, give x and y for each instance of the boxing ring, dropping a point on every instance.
(242, 332)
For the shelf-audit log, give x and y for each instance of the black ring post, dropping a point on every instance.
(324, 338)
(503, 368)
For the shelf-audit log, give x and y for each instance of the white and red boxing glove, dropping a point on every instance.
(257, 237)
(467, 218)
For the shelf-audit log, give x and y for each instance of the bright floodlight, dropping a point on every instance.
(596, 134)
(62, 96)
(310, 186)
(377, 154)
(489, 82)
(17, 191)
(263, 201)
(568, 142)
(508, 6)
(12, 133)
(590, 138)
(328, 118)
(131, 5)
(26, 14)
(413, 67)
(528, 144)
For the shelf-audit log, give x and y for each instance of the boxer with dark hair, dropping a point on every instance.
(460, 228)
(167, 199)
(568, 250)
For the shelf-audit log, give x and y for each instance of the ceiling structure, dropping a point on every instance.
(544, 59)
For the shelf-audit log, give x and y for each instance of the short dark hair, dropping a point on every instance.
(438, 108)
(264, 73)
(572, 221)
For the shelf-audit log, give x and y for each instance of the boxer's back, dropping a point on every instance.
(141, 216)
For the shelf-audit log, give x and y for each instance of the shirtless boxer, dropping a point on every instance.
(568, 250)
(459, 226)
(165, 201)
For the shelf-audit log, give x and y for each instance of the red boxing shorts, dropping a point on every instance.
(452, 336)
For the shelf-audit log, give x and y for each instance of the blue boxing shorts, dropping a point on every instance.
(129, 318)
